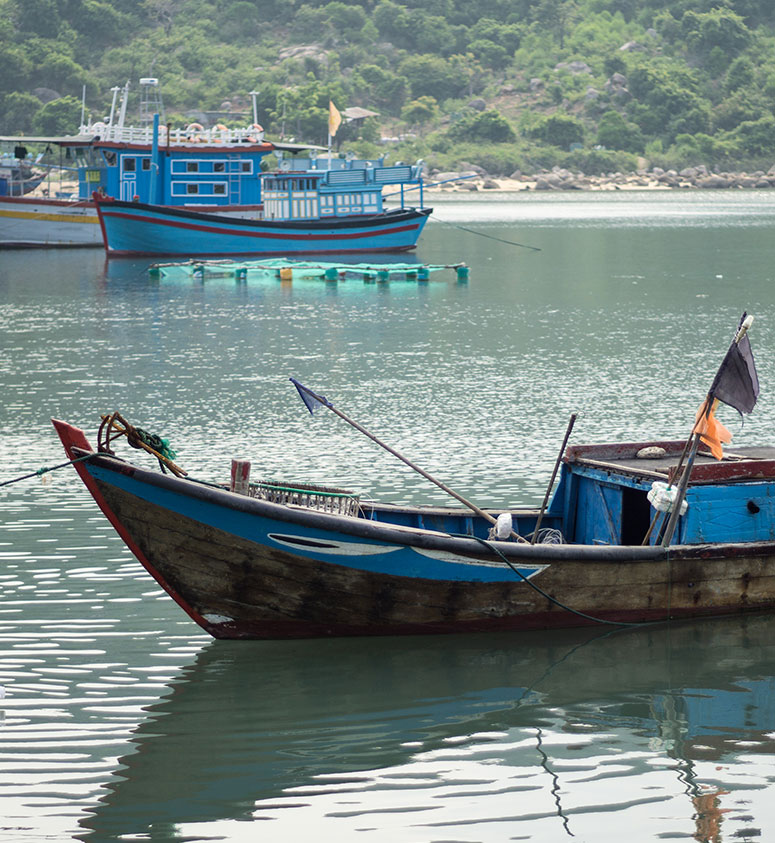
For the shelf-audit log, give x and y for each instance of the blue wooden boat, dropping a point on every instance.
(285, 560)
(17, 177)
(215, 170)
(136, 228)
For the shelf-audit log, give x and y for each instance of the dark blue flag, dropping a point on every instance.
(736, 382)
(310, 399)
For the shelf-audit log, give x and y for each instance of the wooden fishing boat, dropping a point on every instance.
(288, 560)
(634, 533)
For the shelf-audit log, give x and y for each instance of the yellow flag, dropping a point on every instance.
(334, 119)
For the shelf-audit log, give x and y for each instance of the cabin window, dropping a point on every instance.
(146, 163)
(192, 166)
(199, 188)
(246, 166)
(219, 167)
(110, 157)
(129, 165)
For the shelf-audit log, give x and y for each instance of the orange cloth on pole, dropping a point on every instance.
(711, 431)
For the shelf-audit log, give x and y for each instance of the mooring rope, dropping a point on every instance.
(487, 236)
(41, 471)
(549, 597)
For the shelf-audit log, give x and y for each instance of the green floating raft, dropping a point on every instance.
(284, 269)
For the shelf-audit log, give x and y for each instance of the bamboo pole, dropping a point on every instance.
(554, 475)
(695, 438)
(321, 399)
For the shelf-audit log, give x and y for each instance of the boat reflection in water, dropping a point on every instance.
(544, 735)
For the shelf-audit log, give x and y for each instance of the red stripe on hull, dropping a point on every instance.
(273, 235)
(126, 253)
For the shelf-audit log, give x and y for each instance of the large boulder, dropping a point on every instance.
(713, 182)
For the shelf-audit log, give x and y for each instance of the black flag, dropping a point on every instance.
(736, 382)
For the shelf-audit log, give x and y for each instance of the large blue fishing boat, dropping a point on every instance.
(308, 209)
(215, 170)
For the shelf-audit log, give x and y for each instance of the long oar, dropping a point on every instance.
(312, 401)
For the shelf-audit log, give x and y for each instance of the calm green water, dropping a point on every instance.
(121, 721)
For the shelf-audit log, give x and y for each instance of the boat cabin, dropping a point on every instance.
(191, 176)
(602, 495)
(304, 189)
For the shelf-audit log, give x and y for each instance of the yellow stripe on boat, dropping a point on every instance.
(32, 215)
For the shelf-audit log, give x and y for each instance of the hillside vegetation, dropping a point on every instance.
(596, 85)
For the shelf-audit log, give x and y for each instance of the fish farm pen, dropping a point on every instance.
(284, 269)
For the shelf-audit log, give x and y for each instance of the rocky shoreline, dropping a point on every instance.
(474, 178)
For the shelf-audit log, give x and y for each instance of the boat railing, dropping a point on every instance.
(322, 498)
(325, 164)
(397, 174)
(193, 133)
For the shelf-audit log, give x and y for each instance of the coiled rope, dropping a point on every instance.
(115, 425)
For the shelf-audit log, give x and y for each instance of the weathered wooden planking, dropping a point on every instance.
(259, 591)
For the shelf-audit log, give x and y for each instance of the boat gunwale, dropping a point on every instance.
(421, 537)
(105, 205)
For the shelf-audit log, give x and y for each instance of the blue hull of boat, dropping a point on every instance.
(135, 228)
(245, 566)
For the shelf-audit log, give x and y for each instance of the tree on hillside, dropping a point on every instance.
(614, 132)
(556, 16)
(58, 117)
(420, 112)
(485, 126)
(164, 12)
(666, 101)
(386, 89)
(559, 130)
(18, 111)
(717, 28)
(432, 76)
(757, 137)
(741, 74)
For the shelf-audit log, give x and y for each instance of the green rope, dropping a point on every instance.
(45, 470)
(152, 440)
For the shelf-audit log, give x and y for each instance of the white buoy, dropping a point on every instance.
(503, 526)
